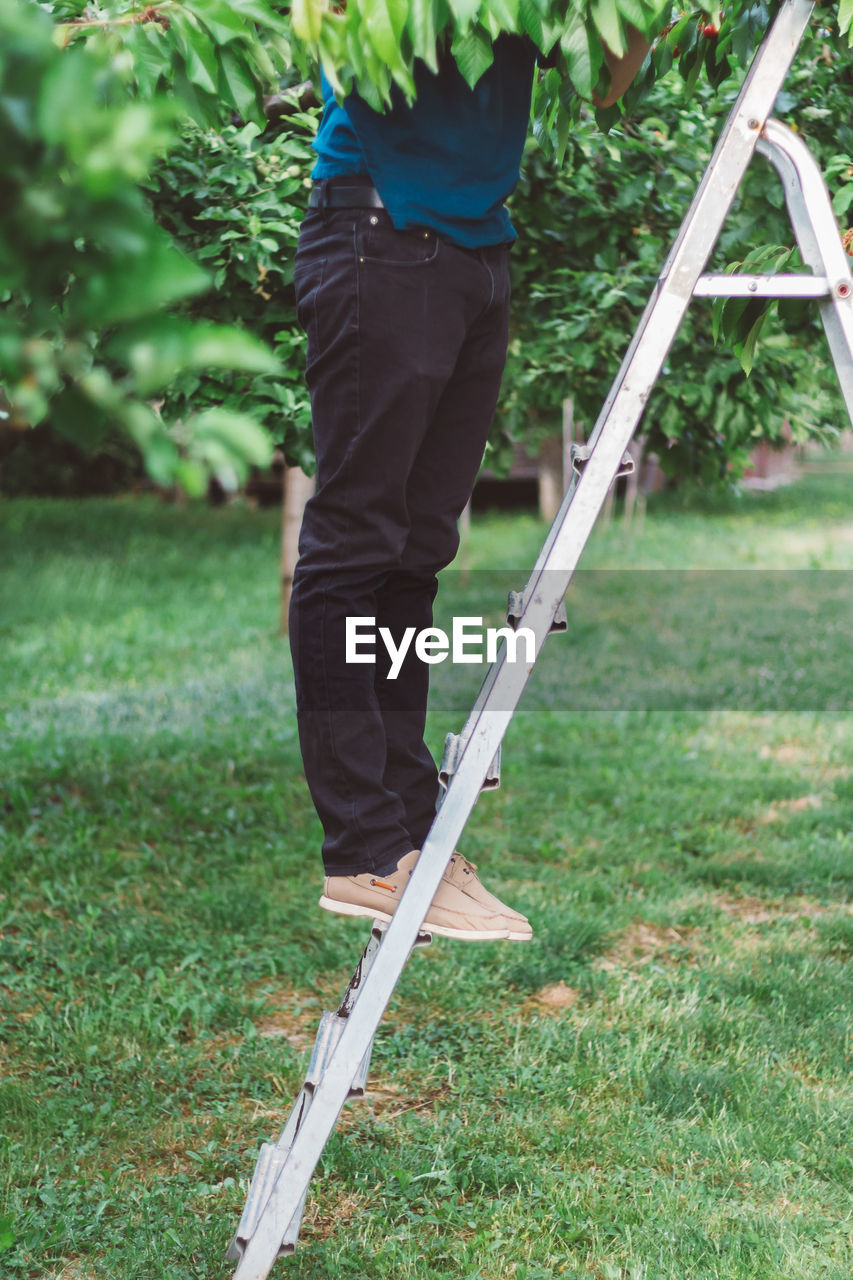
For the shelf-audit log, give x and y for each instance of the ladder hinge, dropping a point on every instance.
(517, 603)
(581, 454)
(272, 1162)
(328, 1035)
(454, 745)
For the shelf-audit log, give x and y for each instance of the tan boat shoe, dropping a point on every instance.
(462, 907)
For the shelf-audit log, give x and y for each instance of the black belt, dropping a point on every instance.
(339, 195)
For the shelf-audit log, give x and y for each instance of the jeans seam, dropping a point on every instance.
(358, 410)
(327, 711)
(486, 306)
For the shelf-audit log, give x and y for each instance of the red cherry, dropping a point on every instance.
(710, 31)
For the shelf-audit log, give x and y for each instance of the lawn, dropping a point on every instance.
(657, 1088)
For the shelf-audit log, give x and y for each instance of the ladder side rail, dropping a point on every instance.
(266, 1174)
(819, 239)
(331, 1092)
(744, 285)
(729, 161)
(558, 559)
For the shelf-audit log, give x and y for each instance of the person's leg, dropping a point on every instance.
(439, 485)
(386, 317)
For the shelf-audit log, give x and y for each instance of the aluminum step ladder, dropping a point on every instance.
(338, 1070)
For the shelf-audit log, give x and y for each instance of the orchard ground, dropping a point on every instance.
(657, 1088)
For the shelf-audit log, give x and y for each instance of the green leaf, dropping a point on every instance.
(202, 63)
(7, 1234)
(564, 128)
(464, 11)
(161, 457)
(530, 21)
(473, 54)
(381, 22)
(221, 20)
(260, 12)
(845, 19)
(843, 198)
(637, 14)
(76, 417)
(422, 29)
(151, 57)
(608, 22)
(244, 441)
(676, 34)
(607, 117)
(747, 352)
(263, 64)
(307, 19)
(505, 11)
(399, 12)
(66, 102)
(158, 349)
(580, 59)
(149, 280)
(238, 85)
(191, 476)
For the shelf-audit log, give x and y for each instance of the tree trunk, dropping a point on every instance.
(568, 439)
(11, 431)
(550, 476)
(296, 490)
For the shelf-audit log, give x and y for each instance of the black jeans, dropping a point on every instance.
(406, 346)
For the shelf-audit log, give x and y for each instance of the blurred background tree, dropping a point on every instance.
(150, 210)
(90, 339)
(595, 232)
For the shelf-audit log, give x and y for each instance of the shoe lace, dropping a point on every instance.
(459, 866)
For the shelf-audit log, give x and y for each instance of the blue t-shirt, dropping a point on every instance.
(450, 160)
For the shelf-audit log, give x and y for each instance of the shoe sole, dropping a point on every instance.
(445, 931)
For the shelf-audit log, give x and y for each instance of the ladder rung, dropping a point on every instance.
(328, 1035)
(271, 1161)
(423, 939)
(581, 454)
(454, 745)
(517, 603)
(751, 286)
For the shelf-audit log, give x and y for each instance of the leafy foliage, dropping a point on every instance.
(86, 274)
(375, 43)
(181, 329)
(46, 464)
(234, 199)
(213, 55)
(595, 232)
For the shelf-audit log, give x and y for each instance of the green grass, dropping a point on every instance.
(657, 1088)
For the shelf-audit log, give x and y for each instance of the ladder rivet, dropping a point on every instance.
(754, 124)
(843, 290)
